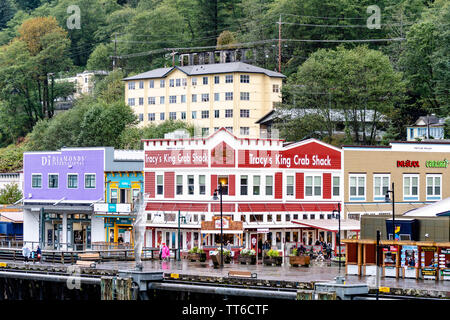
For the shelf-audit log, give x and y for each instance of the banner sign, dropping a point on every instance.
(176, 158)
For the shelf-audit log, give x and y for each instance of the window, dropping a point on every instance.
(216, 96)
(275, 88)
(205, 97)
(131, 101)
(313, 186)
(290, 185)
(141, 84)
(190, 180)
(36, 180)
(183, 98)
(380, 186)
(179, 185)
(53, 181)
(229, 78)
(336, 186)
(269, 185)
(151, 100)
(205, 80)
(244, 185)
(216, 79)
(245, 131)
(162, 83)
(245, 113)
(172, 99)
(113, 196)
(256, 185)
(434, 187)
(194, 114)
(224, 182)
(228, 96)
(183, 115)
(131, 85)
(357, 187)
(216, 129)
(245, 96)
(201, 181)
(89, 181)
(229, 129)
(159, 184)
(411, 187)
(184, 82)
(151, 84)
(194, 81)
(161, 116)
(72, 181)
(136, 194)
(205, 131)
(172, 83)
(178, 82)
(141, 101)
(216, 113)
(162, 100)
(151, 117)
(194, 98)
(172, 115)
(205, 114)
(141, 117)
(229, 113)
(245, 78)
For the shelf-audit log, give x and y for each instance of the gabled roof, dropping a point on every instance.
(207, 69)
(439, 208)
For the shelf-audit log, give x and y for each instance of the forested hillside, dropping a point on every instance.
(334, 56)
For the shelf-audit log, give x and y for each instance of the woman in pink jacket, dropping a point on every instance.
(165, 252)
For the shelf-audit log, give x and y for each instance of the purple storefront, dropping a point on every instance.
(60, 188)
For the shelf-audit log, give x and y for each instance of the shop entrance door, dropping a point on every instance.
(125, 196)
(260, 245)
(308, 237)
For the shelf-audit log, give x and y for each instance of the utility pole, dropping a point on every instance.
(279, 45)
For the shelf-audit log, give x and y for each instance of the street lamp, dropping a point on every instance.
(179, 234)
(338, 214)
(220, 191)
(386, 199)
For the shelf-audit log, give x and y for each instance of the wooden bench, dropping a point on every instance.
(241, 274)
(95, 256)
(84, 263)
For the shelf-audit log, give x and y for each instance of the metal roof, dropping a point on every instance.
(207, 69)
(439, 208)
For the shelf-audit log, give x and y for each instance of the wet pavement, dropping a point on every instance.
(317, 271)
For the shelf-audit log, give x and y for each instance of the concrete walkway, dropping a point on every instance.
(316, 272)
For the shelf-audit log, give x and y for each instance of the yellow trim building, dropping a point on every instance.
(230, 95)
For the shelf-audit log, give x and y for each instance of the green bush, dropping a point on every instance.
(273, 253)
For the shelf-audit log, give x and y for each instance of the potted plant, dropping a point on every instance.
(272, 257)
(297, 258)
(247, 256)
(215, 256)
(196, 254)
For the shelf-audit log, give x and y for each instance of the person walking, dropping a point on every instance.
(38, 254)
(25, 253)
(165, 252)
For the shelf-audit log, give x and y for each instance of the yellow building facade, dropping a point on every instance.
(230, 95)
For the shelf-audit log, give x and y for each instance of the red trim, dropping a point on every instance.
(231, 185)
(213, 183)
(327, 185)
(299, 185)
(278, 185)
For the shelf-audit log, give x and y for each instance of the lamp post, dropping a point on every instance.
(393, 208)
(338, 211)
(179, 234)
(220, 191)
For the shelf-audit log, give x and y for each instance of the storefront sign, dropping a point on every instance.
(176, 158)
(445, 274)
(429, 273)
(62, 160)
(124, 184)
(262, 230)
(428, 248)
(445, 251)
(226, 224)
(112, 207)
(408, 164)
(436, 164)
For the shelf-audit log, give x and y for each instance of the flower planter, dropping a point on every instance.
(196, 257)
(268, 261)
(247, 259)
(302, 260)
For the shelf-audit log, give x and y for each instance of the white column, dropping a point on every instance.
(64, 232)
(247, 243)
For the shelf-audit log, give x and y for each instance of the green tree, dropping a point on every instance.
(6, 12)
(10, 194)
(358, 85)
(111, 88)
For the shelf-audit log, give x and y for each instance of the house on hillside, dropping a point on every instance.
(426, 127)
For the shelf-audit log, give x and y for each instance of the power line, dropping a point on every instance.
(326, 18)
(339, 26)
(344, 41)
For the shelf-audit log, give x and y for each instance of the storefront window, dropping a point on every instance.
(244, 185)
(53, 181)
(72, 181)
(113, 195)
(433, 187)
(313, 186)
(336, 186)
(179, 185)
(357, 187)
(381, 186)
(256, 185)
(410, 187)
(269, 185)
(224, 182)
(290, 185)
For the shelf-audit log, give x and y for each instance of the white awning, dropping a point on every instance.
(224, 231)
(331, 224)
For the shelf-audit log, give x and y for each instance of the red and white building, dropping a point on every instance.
(273, 191)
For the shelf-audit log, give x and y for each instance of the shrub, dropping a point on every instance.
(273, 253)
